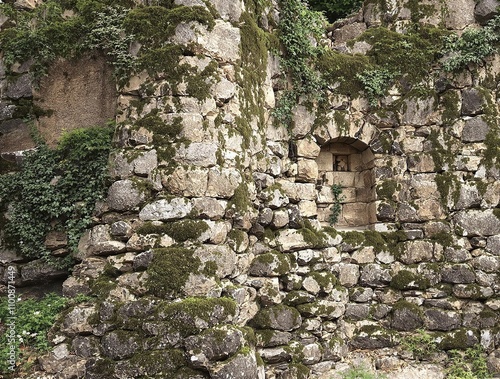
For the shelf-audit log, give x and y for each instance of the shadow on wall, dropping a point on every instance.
(75, 94)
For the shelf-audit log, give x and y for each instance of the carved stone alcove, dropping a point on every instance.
(349, 163)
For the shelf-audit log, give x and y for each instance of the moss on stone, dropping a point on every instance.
(353, 238)
(102, 285)
(180, 231)
(280, 262)
(410, 55)
(300, 370)
(451, 107)
(481, 186)
(316, 309)
(457, 339)
(152, 25)
(239, 201)
(238, 236)
(341, 70)
(251, 75)
(184, 316)
(405, 280)
(404, 304)
(443, 238)
(294, 298)
(387, 189)
(314, 238)
(104, 367)
(267, 318)
(448, 184)
(496, 212)
(169, 271)
(326, 280)
(419, 10)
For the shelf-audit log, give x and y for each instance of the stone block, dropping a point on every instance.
(164, 210)
(223, 182)
(342, 178)
(305, 191)
(417, 251)
(364, 195)
(355, 214)
(124, 195)
(325, 195)
(223, 41)
(472, 101)
(421, 163)
(307, 170)
(477, 222)
(418, 111)
(475, 130)
(325, 161)
(460, 14)
(307, 208)
(485, 10)
(364, 179)
(303, 121)
(429, 209)
(349, 274)
(200, 154)
(307, 148)
(355, 162)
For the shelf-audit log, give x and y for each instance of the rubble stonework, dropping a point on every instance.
(214, 258)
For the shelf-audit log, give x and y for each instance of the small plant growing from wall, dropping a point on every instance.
(422, 345)
(472, 46)
(375, 83)
(361, 373)
(336, 207)
(468, 364)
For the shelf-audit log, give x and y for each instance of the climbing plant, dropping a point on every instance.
(300, 32)
(336, 207)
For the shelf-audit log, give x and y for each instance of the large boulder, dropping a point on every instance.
(125, 195)
(485, 10)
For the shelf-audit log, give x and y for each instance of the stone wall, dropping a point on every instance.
(212, 256)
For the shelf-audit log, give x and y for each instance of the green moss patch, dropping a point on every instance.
(405, 280)
(343, 69)
(458, 339)
(184, 317)
(169, 271)
(180, 231)
(153, 25)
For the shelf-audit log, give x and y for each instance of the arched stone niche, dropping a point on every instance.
(349, 163)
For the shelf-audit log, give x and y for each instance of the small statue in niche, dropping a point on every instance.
(340, 163)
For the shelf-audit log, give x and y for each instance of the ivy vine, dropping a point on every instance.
(336, 207)
(55, 189)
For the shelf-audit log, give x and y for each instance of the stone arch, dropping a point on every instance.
(349, 163)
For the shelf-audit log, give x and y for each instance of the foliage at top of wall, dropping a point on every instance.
(56, 189)
(47, 32)
(335, 10)
(300, 32)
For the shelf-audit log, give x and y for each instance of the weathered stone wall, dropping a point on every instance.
(211, 256)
